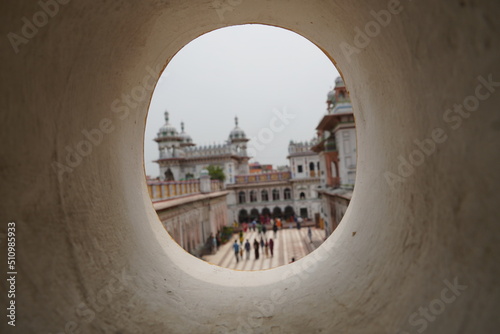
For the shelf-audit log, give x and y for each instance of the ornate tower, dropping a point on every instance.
(238, 140)
(238, 144)
(170, 151)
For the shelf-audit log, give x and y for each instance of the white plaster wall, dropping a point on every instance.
(296, 162)
(91, 241)
(323, 171)
(199, 215)
(346, 146)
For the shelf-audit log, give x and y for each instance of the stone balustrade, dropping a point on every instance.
(264, 177)
(161, 191)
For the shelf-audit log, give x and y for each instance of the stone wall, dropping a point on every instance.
(191, 220)
(421, 231)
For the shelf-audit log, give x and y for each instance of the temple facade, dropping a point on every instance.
(269, 193)
(279, 194)
(180, 159)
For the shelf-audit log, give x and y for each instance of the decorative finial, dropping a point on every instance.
(182, 126)
(236, 120)
(166, 116)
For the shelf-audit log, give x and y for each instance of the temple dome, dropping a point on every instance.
(339, 82)
(331, 96)
(237, 133)
(186, 139)
(167, 130)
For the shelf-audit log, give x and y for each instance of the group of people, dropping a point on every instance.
(262, 227)
(265, 246)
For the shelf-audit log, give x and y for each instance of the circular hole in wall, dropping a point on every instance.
(250, 147)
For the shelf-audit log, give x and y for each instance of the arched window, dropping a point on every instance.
(264, 195)
(242, 197)
(169, 176)
(302, 195)
(312, 173)
(287, 194)
(253, 196)
(276, 195)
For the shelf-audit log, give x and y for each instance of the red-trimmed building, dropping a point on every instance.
(337, 153)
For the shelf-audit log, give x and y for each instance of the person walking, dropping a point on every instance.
(266, 247)
(262, 244)
(309, 234)
(275, 230)
(214, 244)
(247, 249)
(236, 248)
(271, 246)
(264, 229)
(256, 248)
(218, 239)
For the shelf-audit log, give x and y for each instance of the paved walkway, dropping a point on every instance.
(289, 243)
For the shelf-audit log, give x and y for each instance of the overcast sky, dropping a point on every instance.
(249, 71)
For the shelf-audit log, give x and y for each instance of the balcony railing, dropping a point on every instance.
(264, 177)
(160, 191)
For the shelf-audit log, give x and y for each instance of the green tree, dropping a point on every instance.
(216, 173)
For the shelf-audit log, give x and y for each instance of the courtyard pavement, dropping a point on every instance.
(290, 243)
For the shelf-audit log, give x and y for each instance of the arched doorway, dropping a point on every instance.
(266, 212)
(277, 213)
(289, 213)
(243, 216)
(254, 214)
